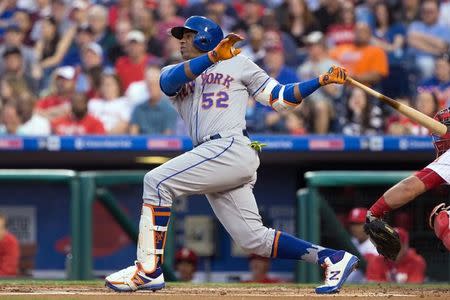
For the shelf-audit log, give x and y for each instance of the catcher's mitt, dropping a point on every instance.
(384, 237)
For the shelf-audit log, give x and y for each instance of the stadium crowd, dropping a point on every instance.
(92, 66)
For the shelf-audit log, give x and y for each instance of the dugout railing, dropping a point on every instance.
(330, 195)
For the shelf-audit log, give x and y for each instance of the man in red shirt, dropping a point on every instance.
(259, 267)
(131, 68)
(57, 104)
(79, 122)
(409, 267)
(9, 250)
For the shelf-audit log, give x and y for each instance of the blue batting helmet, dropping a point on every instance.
(208, 36)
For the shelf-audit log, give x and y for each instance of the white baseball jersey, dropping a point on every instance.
(216, 101)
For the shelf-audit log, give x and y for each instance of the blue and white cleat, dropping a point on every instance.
(134, 278)
(337, 268)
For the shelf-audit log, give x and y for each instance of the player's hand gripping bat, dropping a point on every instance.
(433, 125)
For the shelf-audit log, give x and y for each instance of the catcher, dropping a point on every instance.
(436, 173)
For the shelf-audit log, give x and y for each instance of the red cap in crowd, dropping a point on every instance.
(357, 215)
(185, 254)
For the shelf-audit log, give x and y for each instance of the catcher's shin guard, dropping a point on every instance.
(440, 223)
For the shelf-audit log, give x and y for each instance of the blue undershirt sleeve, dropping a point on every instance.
(174, 78)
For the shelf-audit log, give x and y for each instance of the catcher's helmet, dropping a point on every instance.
(208, 36)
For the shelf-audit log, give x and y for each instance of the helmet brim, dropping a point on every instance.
(178, 31)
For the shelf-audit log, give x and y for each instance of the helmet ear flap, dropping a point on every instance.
(202, 42)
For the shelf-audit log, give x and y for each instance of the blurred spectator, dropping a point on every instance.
(88, 80)
(111, 108)
(23, 19)
(388, 35)
(98, 21)
(409, 267)
(272, 32)
(274, 62)
(364, 62)
(119, 11)
(14, 68)
(275, 66)
(343, 32)
(14, 38)
(254, 49)
(122, 29)
(83, 37)
(328, 13)
(186, 264)
(319, 62)
(61, 12)
(356, 220)
(145, 22)
(168, 18)
(364, 12)
(9, 250)
(399, 124)
(216, 11)
(361, 117)
(444, 13)
(31, 123)
(156, 115)
(259, 268)
(428, 104)
(78, 122)
(131, 68)
(7, 9)
(11, 87)
(296, 20)
(50, 49)
(10, 119)
(295, 123)
(427, 38)
(250, 12)
(57, 103)
(409, 11)
(439, 83)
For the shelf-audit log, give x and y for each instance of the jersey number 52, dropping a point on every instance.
(218, 100)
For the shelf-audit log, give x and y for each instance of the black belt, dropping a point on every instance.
(218, 136)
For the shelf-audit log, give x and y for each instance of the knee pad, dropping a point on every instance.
(440, 223)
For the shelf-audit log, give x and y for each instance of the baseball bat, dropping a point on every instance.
(415, 115)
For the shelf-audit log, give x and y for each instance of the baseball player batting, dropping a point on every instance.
(436, 173)
(210, 90)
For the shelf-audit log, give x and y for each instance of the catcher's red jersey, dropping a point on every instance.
(410, 268)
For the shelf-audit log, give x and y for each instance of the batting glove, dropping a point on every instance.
(334, 75)
(225, 49)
